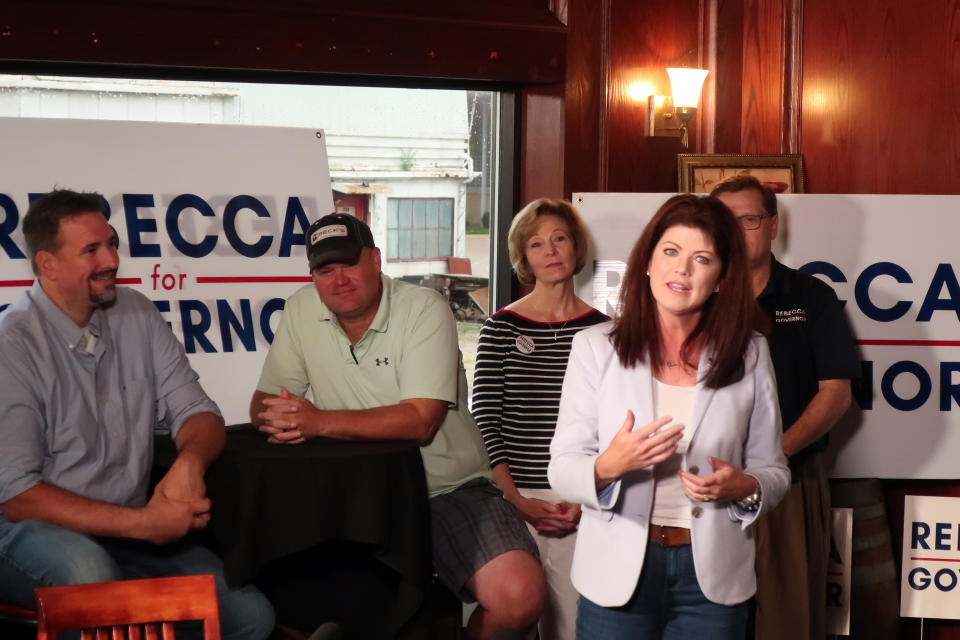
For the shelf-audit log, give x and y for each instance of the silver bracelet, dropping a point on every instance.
(752, 502)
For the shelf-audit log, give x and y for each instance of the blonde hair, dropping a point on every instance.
(525, 224)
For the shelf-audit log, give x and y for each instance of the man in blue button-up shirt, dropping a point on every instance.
(89, 372)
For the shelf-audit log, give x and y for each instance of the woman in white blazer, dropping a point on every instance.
(669, 436)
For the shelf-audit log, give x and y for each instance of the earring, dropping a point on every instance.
(648, 274)
(716, 289)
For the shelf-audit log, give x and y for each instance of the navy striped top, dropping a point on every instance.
(516, 389)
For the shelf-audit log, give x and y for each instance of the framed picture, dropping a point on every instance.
(700, 172)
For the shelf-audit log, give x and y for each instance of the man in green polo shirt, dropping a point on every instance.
(380, 361)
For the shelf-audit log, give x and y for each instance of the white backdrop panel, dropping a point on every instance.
(211, 221)
(891, 259)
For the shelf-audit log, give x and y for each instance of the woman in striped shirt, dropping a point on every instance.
(521, 359)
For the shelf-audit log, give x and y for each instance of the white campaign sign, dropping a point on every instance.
(839, 570)
(211, 220)
(931, 558)
(891, 260)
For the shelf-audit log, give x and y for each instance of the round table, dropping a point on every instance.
(323, 517)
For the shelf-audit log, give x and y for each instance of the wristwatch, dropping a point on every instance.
(752, 501)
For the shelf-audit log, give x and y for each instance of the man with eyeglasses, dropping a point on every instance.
(815, 359)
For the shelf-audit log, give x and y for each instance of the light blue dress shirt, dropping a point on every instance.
(83, 421)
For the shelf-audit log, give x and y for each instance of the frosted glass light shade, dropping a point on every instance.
(686, 84)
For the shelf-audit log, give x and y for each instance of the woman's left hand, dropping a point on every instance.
(727, 482)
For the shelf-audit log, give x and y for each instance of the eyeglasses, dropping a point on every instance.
(752, 221)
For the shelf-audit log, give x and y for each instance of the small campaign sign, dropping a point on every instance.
(838, 572)
(931, 558)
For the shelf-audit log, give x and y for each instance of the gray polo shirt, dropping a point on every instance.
(85, 421)
(409, 351)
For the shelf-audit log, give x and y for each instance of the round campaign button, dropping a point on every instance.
(525, 344)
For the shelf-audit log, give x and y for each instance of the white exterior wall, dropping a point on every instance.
(412, 113)
(418, 189)
(142, 100)
(436, 154)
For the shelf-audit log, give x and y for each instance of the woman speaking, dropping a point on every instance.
(669, 436)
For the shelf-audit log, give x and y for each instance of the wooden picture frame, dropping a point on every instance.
(699, 172)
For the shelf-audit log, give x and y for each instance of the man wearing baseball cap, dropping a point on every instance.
(382, 362)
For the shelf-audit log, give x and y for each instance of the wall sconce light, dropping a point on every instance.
(668, 116)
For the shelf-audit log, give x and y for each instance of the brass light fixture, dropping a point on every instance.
(669, 116)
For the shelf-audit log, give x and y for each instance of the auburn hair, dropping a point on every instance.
(728, 317)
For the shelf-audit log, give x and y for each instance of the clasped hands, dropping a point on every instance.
(630, 450)
(178, 505)
(288, 419)
(547, 517)
(727, 482)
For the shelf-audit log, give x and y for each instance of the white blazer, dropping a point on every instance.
(739, 423)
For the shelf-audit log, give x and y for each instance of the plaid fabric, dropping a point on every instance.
(471, 526)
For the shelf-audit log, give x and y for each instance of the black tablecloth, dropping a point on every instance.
(311, 514)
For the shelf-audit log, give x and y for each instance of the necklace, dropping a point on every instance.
(556, 338)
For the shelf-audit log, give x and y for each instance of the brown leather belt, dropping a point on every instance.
(669, 536)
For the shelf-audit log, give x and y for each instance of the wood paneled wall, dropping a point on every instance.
(541, 143)
(881, 96)
(870, 95)
(585, 98)
(512, 44)
(517, 41)
(617, 53)
(645, 38)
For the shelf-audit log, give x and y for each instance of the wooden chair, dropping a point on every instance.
(142, 608)
(15, 612)
(17, 623)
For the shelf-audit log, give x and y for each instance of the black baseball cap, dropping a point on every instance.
(337, 237)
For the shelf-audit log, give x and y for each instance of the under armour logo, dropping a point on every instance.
(385, 362)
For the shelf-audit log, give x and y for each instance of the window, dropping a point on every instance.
(419, 228)
(420, 166)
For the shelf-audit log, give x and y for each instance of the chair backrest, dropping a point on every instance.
(15, 612)
(139, 607)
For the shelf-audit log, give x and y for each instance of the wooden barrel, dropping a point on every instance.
(875, 594)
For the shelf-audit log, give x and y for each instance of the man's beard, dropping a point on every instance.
(105, 298)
